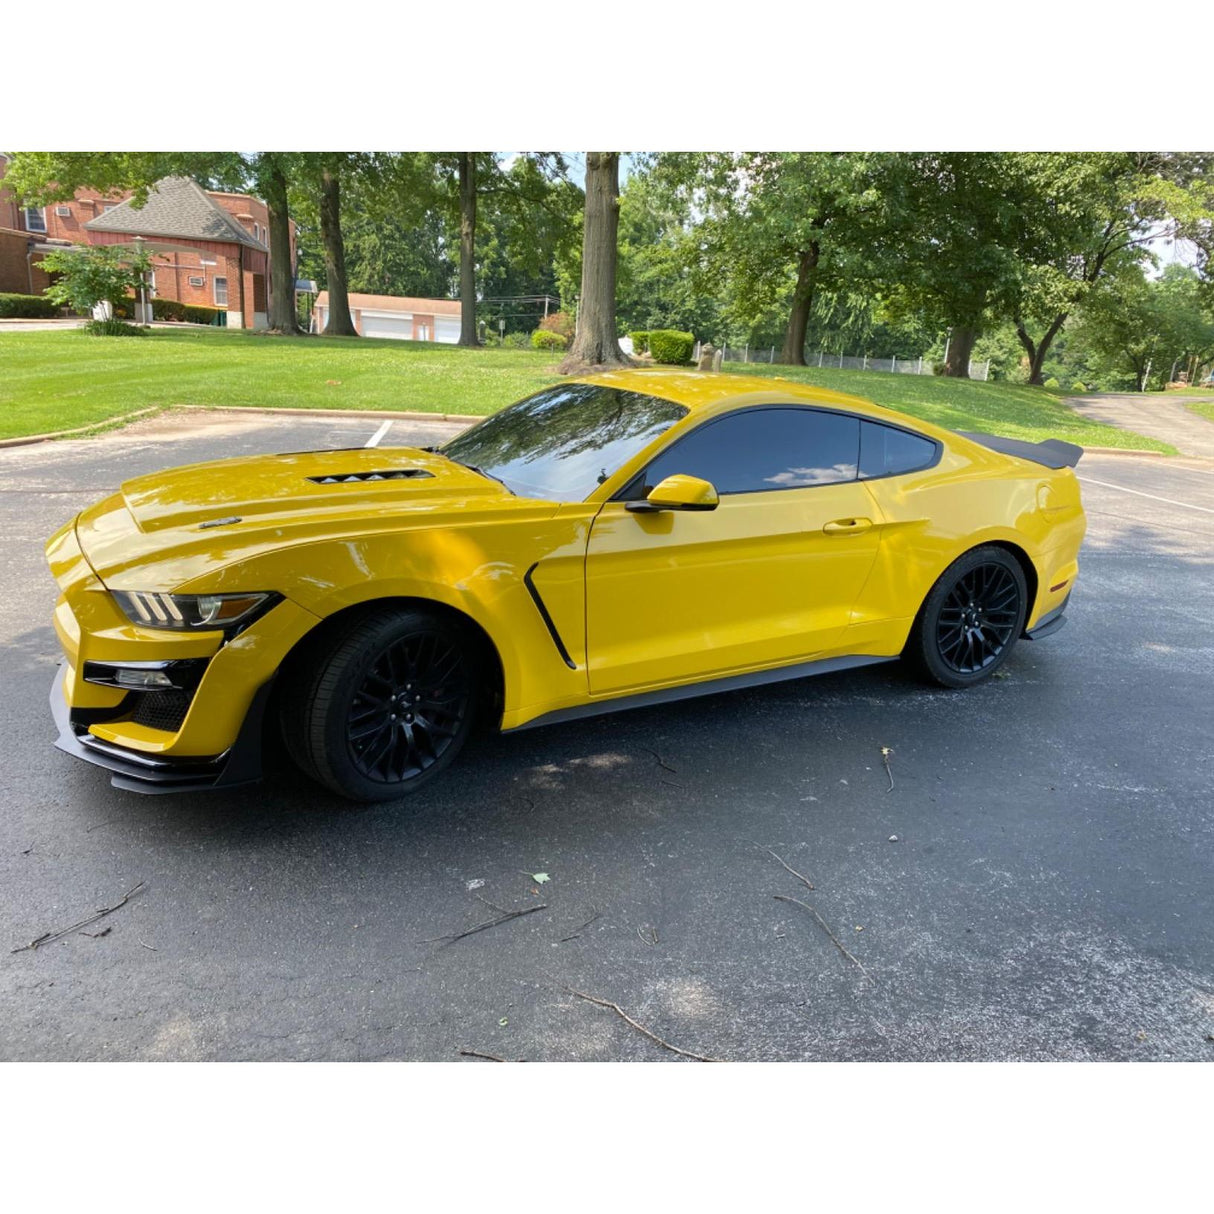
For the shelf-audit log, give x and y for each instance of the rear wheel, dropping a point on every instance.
(971, 618)
(385, 706)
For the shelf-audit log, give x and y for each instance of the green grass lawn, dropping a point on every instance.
(59, 380)
(1203, 408)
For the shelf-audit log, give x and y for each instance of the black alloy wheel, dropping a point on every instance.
(971, 618)
(978, 618)
(380, 706)
(409, 708)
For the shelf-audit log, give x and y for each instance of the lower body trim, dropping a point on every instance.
(688, 691)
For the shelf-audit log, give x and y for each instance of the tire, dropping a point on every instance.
(380, 709)
(971, 618)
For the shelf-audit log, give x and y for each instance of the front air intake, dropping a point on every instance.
(393, 474)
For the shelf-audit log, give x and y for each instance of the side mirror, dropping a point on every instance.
(678, 492)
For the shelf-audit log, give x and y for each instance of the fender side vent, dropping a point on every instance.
(391, 474)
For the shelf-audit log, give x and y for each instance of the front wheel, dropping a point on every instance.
(970, 619)
(386, 707)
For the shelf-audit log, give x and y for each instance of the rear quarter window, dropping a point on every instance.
(889, 451)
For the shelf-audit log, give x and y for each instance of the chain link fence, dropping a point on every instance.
(845, 362)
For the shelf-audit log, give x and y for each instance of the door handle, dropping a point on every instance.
(847, 526)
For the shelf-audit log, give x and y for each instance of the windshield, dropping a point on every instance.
(564, 442)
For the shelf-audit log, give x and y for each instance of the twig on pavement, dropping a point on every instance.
(50, 937)
(799, 876)
(886, 751)
(482, 927)
(478, 1054)
(580, 930)
(826, 928)
(640, 1028)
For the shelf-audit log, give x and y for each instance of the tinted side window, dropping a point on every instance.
(756, 450)
(886, 451)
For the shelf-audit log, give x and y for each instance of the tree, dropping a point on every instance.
(952, 222)
(779, 228)
(525, 204)
(88, 275)
(1086, 216)
(596, 342)
(656, 287)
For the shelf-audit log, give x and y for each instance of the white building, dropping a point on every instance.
(397, 316)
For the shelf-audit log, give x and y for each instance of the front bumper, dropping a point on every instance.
(140, 771)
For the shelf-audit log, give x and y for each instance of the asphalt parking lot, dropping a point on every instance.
(1049, 894)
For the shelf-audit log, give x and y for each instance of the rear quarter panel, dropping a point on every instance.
(971, 497)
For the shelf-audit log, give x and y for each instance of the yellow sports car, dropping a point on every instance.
(618, 540)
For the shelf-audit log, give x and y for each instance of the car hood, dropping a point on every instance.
(361, 480)
(187, 521)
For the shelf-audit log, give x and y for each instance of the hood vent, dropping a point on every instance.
(392, 474)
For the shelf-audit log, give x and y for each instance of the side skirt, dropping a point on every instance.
(690, 691)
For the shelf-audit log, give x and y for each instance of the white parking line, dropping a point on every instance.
(1088, 480)
(374, 440)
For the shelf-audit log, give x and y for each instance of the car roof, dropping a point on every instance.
(701, 389)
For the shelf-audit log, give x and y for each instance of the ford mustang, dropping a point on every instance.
(618, 540)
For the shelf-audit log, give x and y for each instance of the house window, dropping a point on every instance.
(221, 292)
(197, 280)
(35, 219)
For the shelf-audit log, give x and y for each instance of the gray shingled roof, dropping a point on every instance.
(176, 206)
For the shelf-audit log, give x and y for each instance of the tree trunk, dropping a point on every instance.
(1038, 351)
(793, 350)
(340, 323)
(467, 250)
(595, 342)
(282, 268)
(960, 347)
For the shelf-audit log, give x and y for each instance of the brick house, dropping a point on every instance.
(207, 247)
(399, 316)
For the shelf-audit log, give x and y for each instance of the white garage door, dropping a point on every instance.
(398, 326)
(446, 328)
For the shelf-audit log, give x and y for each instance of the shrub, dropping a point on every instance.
(27, 307)
(1079, 386)
(168, 309)
(1050, 383)
(640, 341)
(516, 341)
(671, 346)
(559, 322)
(200, 314)
(546, 339)
(114, 328)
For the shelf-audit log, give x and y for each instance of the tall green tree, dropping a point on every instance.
(596, 340)
(530, 189)
(952, 223)
(778, 228)
(1084, 217)
(1138, 329)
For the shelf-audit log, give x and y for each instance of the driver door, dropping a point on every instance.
(766, 579)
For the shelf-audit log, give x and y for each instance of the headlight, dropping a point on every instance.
(192, 612)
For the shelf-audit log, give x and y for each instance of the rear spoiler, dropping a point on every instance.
(1053, 453)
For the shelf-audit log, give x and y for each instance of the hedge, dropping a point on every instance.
(27, 307)
(201, 314)
(671, 346)
(640, 341)
(545, 339)
(168, 309)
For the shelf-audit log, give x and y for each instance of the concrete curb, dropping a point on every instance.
(384, 414)
(26, 439)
